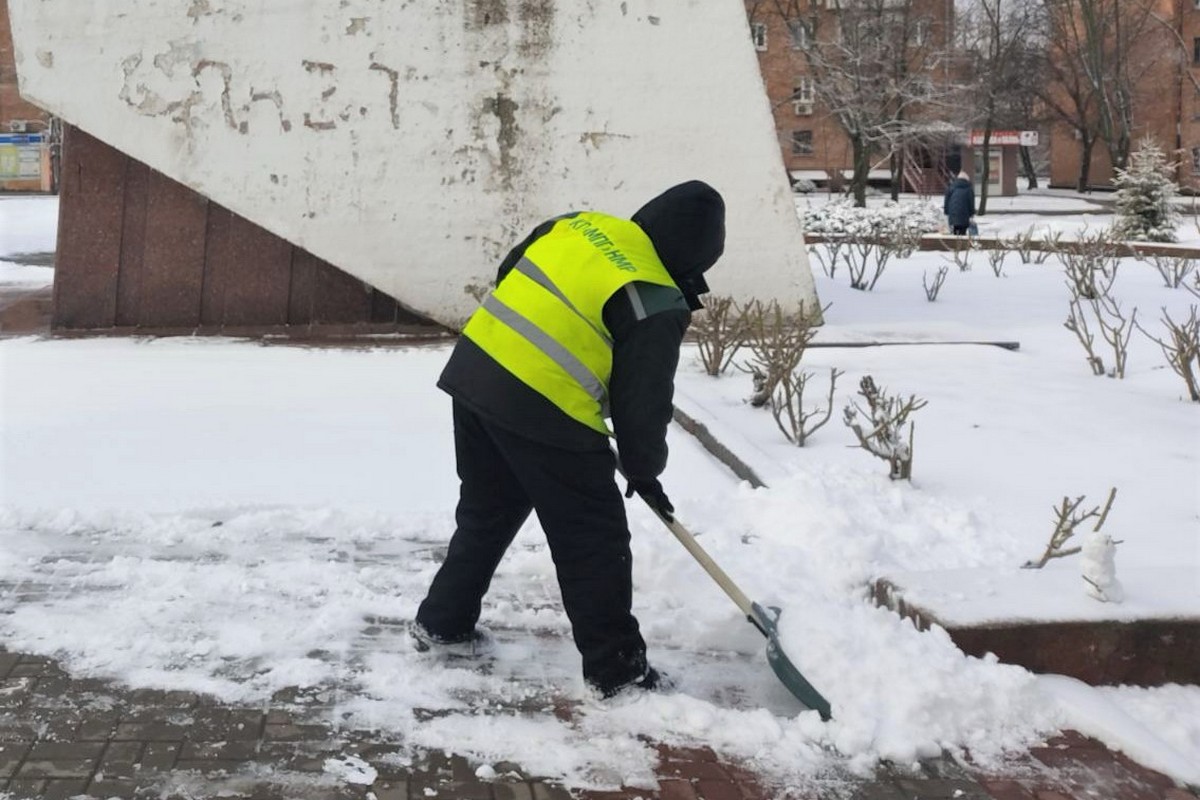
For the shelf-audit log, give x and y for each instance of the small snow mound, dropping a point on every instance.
(351, 769)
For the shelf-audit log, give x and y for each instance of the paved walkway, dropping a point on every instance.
(65, 736)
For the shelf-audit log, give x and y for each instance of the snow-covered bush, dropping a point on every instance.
(841, 218)
(804, 186)
(1146, 209)
(879, 427)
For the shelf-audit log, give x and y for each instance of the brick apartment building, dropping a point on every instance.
(26, 133)
(1165, 60)
(1166, 100)
(813, 144)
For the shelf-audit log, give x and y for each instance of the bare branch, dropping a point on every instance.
(720, 331)
(788, 402)
(1182, 348)
(1066, 519)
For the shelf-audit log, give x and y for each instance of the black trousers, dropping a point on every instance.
(503, 478)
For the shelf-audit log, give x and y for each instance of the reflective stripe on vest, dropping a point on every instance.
(544, 322)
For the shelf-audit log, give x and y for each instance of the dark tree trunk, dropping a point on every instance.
(985, 177)
(1027, 168)
(862, 170)
(1085, 164)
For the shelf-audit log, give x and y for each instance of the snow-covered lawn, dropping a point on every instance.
(226, 517)
(27, 225)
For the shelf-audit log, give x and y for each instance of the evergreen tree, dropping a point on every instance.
(1146, 209)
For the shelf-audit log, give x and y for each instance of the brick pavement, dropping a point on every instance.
(70, 737)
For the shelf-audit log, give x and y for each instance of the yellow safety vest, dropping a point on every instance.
(544, 321)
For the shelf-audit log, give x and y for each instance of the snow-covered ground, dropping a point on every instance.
(1042, 210)
(27, 225)
(225, 517)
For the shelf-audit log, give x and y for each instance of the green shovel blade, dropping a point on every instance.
(785, 670)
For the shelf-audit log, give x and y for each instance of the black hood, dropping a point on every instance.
(686, 223)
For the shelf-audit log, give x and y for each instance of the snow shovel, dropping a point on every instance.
(762, 618)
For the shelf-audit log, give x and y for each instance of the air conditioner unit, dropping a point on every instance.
(17, 126)
(803, 108)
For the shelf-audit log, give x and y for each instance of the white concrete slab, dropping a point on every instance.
(411, 144)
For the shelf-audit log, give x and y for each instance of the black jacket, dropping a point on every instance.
(686, 225)
(959, 204)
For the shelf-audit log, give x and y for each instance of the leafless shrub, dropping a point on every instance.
(1067, 518)
(1116, 330)
(1033, 250)
(830, 253)
(1051, 243)
(1174, 269)
(882, 433)
(996, 261)
(961, 259)
(720, 331)
(1182, 349)
(1022, 243)
(788, 404)
(1114, 327)
(903, 240)
(864, 251)
(1091, 264)
(777, 342)
(1077, 323)
(939, 277)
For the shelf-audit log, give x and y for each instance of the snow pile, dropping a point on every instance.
(351, 769)
(1100, 568)
(270, 599)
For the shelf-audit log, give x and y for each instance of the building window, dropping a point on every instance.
(803, 89)
(921, 32)
(802, 143)
(1196, 50)
(1196, 160)
(801, 34)
(758, 32)
(802, 96)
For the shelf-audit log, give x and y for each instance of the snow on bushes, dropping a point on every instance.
(841, 217)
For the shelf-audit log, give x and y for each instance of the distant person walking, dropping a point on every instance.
(959, 204)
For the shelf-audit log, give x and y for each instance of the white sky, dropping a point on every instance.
(331, 474)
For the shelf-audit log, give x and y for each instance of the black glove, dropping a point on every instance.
(652, 492)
